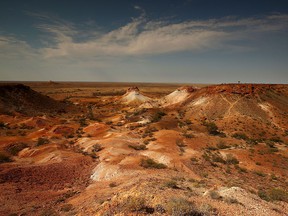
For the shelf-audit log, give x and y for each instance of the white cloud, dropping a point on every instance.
(142, 37)
(63, 50)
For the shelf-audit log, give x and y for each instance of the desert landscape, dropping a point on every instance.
(92, 148)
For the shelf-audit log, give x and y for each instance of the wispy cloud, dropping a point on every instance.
(144, 37)
(140, 37)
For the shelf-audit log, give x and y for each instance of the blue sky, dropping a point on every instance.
(189, 41)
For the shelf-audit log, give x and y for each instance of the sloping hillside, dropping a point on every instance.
(18, 98)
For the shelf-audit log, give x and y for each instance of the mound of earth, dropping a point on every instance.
(177, 96)
(18, 98)
(133, 96)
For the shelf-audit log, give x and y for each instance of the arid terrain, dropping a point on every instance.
(143, 149)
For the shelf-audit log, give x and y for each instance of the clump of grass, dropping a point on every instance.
(138, 147)
(151, 164)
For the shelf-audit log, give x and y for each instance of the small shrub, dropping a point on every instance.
(276, 139)
(214, 195)
(180, 143)
(240, 169)
(157, 117)
(278, 194)
(135, 204)
(260, 173)
(231, 200)
(273, 177)
(4, 158)
(160, 209)
(218, 159)
(2, 125)
(274, 194)
(212, 128)
(222, 145)
(194, 159)
(113, 184)
(42, 141)
(138, 147)
(263, 195)
(67, 207)
(96, 148)
(230, 159)
(15, 148)
(146, 142)
(211, 148)
(188, 135)
(150, 163)
(171, 184)
(181, 207)
(240, 136)
(82, 122)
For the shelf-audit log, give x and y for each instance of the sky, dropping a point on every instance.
(175, 41)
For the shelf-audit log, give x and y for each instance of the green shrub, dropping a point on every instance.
(150, 163)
